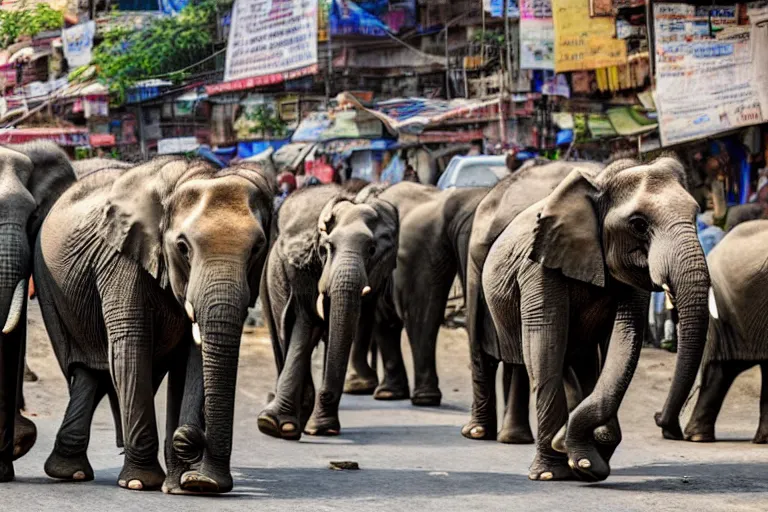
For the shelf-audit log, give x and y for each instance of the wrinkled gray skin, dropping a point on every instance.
(132, 268)
(574, 272)
(32, 177)
(85, 167)
(333, 256)
(737, 326)
(433, 243)
(533, 182)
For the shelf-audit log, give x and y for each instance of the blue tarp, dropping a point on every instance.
(249, 149)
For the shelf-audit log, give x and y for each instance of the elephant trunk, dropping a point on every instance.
(348, 284)
(688, 284)
(220, 311)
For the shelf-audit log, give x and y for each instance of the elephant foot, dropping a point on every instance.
(549, 467)
(29, 375)
(761, 437)
(141, 479)
(189, 443)
(588, 464)
(479, 432)
(25, 435)
(518, 434)
(281, 426)
(73, 468)
(324, 426)
(7, 473)
(670, 430)
(699, 434)
(358, 385)
(202, 482)
(392, 391)
(427, 398)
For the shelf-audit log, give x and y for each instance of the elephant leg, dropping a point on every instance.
(515, 428)
(422, 332)
(362, 379)
(131, 343)
(281, 418)
(387, 335)
(717, 378)
(25, 432)
(184, 427)
(482, 424)
(11, 360)
(761, 437)
(69, 459)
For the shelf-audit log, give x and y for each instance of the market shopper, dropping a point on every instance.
(287, 184)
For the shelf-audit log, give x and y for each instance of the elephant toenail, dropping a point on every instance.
(547, 475)
(79, 475)
(585, 464)
(477, 432)
(135, 485)
(571, 464)
(121, 483)
(289, 427)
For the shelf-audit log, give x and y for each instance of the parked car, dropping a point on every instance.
(473, 171)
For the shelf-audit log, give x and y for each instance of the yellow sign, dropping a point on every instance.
(582, 42)
(323, 14)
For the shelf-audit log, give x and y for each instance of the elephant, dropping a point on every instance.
(534, 181)
(570, 277)
(332, 257)
(433, 243)
(737, 326)
(142, 272)
(32, 177)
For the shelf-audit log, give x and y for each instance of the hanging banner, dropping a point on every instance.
(78, 43)
(537, 35)
(269, 42)
(323, 12)
(707, 81)
(349, 18)
(583, 42)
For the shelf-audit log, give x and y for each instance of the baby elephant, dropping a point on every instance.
(143, 272)
(738, 301)
(333, 257)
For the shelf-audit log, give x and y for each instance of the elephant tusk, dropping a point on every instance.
(196, 334)
(670, 304)
(713, 304)
(366, 290)
(320, 306)
(17, 304)
(190, 311)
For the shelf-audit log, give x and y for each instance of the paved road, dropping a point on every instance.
(412, 459)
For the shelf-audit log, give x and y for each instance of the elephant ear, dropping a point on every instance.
(133, 216)
(567, 233)
(51, 175)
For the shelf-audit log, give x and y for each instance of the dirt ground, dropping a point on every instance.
(413, 457)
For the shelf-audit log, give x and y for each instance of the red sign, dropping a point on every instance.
(61, 136)
(102, 139)
(259, 81)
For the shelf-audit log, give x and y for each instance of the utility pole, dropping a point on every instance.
(329, 53)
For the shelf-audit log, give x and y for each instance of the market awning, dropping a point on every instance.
(348, 146)
(61, 136)
(345, 124)
(414, 115)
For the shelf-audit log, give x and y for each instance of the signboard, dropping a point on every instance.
(537, 35)
(583, 42)
(270, 42)
(78, 43)
(177, 145)
(708, 81)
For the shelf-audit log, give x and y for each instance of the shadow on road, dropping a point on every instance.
(693, 478)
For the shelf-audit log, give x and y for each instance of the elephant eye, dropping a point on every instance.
(639, 225)
(183, 247)
(371, 250)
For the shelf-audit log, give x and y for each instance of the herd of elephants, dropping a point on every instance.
(147, 270)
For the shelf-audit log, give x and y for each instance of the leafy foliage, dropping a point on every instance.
(165, 47)
(28, 22)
